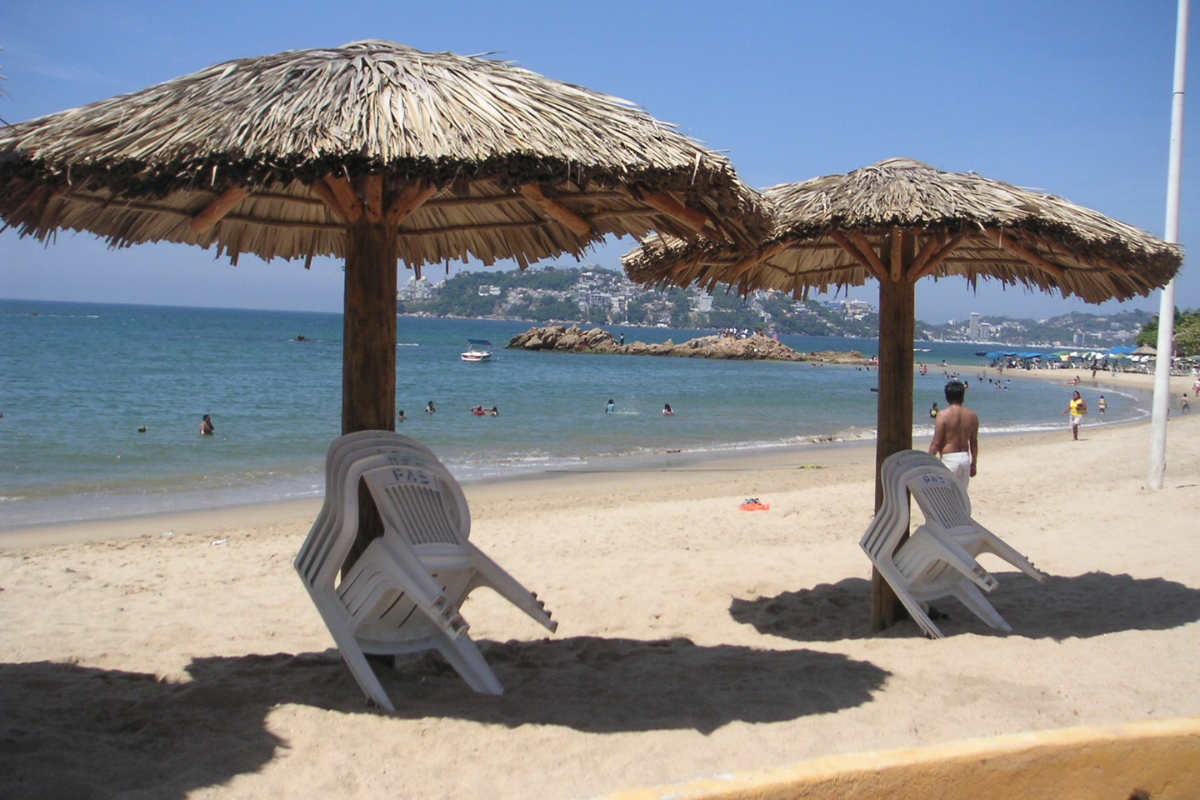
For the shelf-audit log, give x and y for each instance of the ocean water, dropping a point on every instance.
(78, 380)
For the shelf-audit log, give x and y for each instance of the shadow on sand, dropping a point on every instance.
(68, 731)
(1088, 605)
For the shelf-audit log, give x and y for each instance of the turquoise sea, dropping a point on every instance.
(78, 380)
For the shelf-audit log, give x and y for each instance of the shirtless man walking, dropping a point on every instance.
(956, 435)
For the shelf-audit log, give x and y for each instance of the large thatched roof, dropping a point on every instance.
(518, 165)
(837, 231)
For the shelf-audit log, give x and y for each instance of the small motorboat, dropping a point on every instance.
(477, 350)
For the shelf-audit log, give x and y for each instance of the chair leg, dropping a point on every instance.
(910, 604)
(490, 574)
(468, 662)
(356, 660)
(1004, 551)
(973, 599)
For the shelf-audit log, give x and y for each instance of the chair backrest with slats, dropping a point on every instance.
(418, 504)
(941, 499)
(321, 556)
(939, 496)
(343, 453)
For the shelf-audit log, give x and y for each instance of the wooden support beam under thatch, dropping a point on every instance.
(407, 201)
(868, 251)
(869, 262)
(923, 256)
(922, 267)
(556, 210)
(213, 213)
(373, 198)
(690, 217)
(751, 261)
(348, 205)
(330, 200)
(1007, 244)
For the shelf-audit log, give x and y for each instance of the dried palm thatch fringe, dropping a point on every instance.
(837, 231)
(250, 156)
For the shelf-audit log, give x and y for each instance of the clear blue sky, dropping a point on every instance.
(1073, 98)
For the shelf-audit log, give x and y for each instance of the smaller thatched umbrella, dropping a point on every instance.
(899, 221)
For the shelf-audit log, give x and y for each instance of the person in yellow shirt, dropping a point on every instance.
(1077, 409)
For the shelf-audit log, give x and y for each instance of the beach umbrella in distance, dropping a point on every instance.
(374, 153)
(897, 222)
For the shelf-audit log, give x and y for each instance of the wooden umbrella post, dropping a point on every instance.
(897, 328)
(897, 312)
(369, 349)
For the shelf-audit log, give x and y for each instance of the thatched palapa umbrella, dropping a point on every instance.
(899, 221)
(372, 152)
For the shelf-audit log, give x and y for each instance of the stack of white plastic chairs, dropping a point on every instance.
(404, 592)
(938, 559)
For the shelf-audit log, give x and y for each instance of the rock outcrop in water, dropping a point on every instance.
(597, 340)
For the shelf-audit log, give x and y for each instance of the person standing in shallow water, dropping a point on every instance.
(206, 426)
(611, 408)
(956, 435)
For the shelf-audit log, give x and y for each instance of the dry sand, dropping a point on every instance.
(695, 639)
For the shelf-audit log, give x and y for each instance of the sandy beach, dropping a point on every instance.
(177, 657)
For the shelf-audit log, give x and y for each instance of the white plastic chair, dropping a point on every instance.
(403, 593)
(931, 564)
(342, 453)
(947, 510)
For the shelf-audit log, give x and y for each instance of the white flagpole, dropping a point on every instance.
(1166, 308)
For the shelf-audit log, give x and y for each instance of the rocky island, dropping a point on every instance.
(597, 340)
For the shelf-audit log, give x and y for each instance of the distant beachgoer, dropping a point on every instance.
(933, 411)
(667, 410)
(478, 411)
(611, 408)
(1077, 409)
(1102, 405)
(1195, 387)
(622, 338)
(400, 416)
(1183, 404)
(495, 412)
(429, 409)
(206, 426)
(956, 435)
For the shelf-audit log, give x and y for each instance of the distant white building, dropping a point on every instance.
(973, 327)
(487, 289)
(417, 289)
(851, 307)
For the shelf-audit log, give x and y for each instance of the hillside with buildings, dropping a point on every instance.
(597, 296)
(592, 295)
